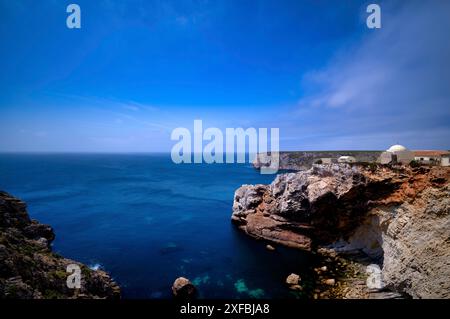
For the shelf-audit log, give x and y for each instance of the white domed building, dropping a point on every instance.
(396, 154)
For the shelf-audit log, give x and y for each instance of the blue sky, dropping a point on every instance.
(138, 69)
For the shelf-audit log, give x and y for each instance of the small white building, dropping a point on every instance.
(430, 157)
(346, 159)
(445, 161)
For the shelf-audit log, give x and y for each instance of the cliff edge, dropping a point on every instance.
(28, 267)
(399, 217)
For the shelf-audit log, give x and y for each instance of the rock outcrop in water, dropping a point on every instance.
(399, 217)
(28, 267)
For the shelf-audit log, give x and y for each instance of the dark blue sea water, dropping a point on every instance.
(147, 221)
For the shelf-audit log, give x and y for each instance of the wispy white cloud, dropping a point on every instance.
(404, 63)
(393, 84)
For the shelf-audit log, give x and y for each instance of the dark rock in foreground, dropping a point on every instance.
(28, 267)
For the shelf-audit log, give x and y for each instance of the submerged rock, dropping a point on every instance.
(29, 268)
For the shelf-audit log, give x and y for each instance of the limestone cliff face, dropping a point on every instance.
(399, 217)
(28, 267)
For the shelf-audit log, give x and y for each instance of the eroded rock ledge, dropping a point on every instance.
(399, 217)
(29, 268)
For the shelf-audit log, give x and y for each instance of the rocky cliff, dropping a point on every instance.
(29, 268)
(399, 217)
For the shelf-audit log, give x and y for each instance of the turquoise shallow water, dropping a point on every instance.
(147, 221)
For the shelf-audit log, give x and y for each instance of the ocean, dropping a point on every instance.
(147, 221)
